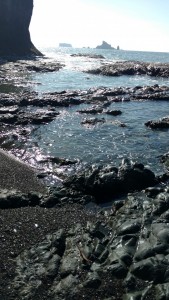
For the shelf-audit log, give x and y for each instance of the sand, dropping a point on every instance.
(15, 174)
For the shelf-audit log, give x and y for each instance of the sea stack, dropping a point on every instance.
(15, 17)
(105, 45)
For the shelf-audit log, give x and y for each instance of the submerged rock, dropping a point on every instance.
(88, 55)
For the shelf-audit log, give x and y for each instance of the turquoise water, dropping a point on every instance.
(67, 137)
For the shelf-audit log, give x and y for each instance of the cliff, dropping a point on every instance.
(15, 17)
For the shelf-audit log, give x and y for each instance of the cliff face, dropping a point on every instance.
(15, 17)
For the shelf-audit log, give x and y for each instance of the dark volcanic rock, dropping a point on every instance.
(130, 244)
(160, 124)
(15, 17)
(108, 181)
(165, 160)
(113, 112)
(132, 68)
(92, 121)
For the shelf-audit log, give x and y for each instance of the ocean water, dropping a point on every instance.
(67, 137)
(73, 77)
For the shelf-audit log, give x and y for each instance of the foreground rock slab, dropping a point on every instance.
(130, 246)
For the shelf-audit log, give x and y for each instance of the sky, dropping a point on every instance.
(132, 24)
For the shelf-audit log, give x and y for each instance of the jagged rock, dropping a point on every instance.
(132, 68)
(160, 124)
(103, 181)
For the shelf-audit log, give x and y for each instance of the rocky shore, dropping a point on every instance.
(65, 241)
(132, 68)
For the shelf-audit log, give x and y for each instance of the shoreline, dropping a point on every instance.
(17, 175)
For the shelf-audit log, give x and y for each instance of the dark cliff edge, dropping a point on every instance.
(15, 17)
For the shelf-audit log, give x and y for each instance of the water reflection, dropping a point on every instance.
(67, 137)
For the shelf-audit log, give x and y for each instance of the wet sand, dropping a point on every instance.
(17, 175)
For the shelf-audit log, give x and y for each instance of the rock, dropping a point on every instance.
(132, 68)
(93, 110)
(104, 45)
(15, 199)
(15, 17)
(106, 181)
(131, 247)
(165, 160)
(88, 55)
(160, 124)
(92, 121)
(113, 112)
(92, 280)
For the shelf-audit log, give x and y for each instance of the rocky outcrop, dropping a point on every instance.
(129, 248)
(132, 68)
(160, 124)
(104, 45)
(15, 17)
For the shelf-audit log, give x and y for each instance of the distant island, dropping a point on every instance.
(64, 45)
(104, 45)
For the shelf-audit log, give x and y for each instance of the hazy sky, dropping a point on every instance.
(131, 24)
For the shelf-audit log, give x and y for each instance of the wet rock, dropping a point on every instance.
(131, 245)
(9, 110)
(153, 191)
(93, 280)
(65, 288)
(92, 121)
(102, 181)
(160, 124)
(92, 110)
(118, 123)
(8, 118)
(113, 112)
(132, 68)
(14, 199)
(28, 117)
(151, 269)
(162, 291)
(88, 55)
(99, 96)
(165, 160)
(42, 261)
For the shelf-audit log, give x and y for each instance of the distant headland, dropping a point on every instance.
(64, 45)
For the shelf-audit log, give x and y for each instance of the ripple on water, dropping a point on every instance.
(67, 137)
